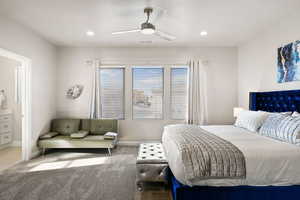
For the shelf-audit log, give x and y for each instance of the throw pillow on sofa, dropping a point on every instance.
(49, 135)
(110, 136)
(79, 134)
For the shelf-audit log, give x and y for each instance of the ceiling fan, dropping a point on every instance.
(148, 29)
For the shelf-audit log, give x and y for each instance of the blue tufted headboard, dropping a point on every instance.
(275, 101)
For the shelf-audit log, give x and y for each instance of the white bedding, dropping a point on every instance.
(268, 161)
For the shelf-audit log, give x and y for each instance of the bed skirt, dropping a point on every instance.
(183, 192)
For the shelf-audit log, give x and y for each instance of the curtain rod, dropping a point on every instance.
(105, 63)
(147, 63)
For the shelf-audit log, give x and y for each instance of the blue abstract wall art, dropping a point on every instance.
(288, 64)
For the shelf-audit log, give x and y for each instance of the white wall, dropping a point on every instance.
(7, 83)
(20, 40)
(257, 59)
(222, 82)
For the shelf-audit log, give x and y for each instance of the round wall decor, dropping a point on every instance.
(74, 92)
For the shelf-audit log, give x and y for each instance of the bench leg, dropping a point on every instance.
(109, 151)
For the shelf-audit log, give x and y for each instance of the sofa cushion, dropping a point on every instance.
(99, 126)
(49, 135)
(65, 126)
(79, 134)
(94, 138)
(64, 141)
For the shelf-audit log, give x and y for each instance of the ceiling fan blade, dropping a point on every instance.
(165, 36)
(128, 31)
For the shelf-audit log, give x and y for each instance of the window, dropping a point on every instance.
(147, 98)
(179, 93)
(147, 92)
(112, 93)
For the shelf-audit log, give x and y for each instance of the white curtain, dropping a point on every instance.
(95, 107)
(197, 108)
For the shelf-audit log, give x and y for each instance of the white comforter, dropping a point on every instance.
(268, 161)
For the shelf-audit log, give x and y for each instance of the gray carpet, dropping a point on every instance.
(72, 176)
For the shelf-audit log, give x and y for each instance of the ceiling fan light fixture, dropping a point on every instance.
(147, 28)
(90, 33)
(148, 31)
(203, 33)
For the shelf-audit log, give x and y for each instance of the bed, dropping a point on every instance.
(272, 166)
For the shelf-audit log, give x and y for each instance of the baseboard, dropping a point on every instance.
(128, 143)
(4, 146)
(16, 143)
(134, 143)
(13, 144)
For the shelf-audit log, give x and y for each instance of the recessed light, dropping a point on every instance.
(203, 33)
(90, 33)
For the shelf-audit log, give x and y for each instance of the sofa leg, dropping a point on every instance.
(109, 151)
(43, 151)
(139, 186)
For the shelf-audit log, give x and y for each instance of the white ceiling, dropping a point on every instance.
(228, 22)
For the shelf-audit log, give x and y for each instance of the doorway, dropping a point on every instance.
(15, 108)
(10, 113)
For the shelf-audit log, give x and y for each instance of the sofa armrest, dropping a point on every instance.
(49, 135)
(79, 134)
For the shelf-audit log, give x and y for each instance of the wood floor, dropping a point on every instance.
(154, 192)
(9, 156)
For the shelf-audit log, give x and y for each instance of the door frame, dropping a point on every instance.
(25, 80)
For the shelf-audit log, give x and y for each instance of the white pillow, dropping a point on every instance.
(295, 114)
(282, 113)
(251, 120)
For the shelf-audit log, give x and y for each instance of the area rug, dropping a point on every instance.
(72, 176)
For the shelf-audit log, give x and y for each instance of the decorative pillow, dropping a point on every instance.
(79, 134)
(282, 127)
(271, 124)
(49, 135)
(251, 120)
(110, 135)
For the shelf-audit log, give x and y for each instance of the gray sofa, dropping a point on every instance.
(79, 133)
